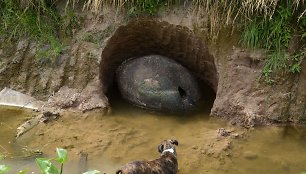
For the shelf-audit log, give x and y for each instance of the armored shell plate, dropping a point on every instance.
(158, 83)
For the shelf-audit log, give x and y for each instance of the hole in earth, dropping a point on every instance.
(182, 92)
(142, 42)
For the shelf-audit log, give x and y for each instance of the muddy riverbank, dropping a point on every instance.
(130, 134)
(80, 85)
(80, 77)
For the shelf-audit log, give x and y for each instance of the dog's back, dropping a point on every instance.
(166, 164)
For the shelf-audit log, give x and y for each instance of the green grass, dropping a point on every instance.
(149, 7)
(274, 35)
(40, 23)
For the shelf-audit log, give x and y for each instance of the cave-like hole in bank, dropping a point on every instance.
(149, 37)
(181, 91)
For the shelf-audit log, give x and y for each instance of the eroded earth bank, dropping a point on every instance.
(82, 79)
(84, 72)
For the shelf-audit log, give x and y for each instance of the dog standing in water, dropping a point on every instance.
(165, 164)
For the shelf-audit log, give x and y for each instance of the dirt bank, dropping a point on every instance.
(72, 79)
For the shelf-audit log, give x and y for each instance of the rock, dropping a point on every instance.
(86, 100)
(48, 116)
(158, 83)
(235, 135)
(250, 155)
(195, 147)
(10, 97)
(221, 132)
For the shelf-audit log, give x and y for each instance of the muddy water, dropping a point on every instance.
(129, 134)
(279, 150)
(10, 118)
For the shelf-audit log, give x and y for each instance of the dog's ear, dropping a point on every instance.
(160, 148)
(175, 142)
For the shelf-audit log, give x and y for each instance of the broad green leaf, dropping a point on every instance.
(61, 155)
(43, 163)
(92, 172)
(4, 169)
(46, 167)
(23, 171)
(52, 170)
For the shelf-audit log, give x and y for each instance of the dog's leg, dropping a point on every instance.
(119, 172)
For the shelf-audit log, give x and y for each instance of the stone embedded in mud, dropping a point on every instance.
(158, 83)
(250, 155)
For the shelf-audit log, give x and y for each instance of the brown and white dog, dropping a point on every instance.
(165, 164)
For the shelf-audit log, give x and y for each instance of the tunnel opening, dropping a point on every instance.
(181, 91)
(144, 37)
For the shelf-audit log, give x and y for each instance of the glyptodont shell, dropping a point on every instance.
(158, 83)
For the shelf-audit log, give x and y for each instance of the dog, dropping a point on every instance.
(165, 164)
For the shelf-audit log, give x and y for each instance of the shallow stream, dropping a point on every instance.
(129, 134)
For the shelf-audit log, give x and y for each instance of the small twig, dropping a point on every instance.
(62, 166)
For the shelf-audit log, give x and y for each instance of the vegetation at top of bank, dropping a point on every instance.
(282, 34)
(273, 25)
(37, 20)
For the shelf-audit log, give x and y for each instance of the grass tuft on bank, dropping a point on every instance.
(282, 34)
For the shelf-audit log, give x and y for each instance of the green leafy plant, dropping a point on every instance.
(69, 22)
(4, 169)
(39, 23)
(274, 35)
(149, 7)
(23, 171)
(295, 66)
(37, 20)
(47, 166)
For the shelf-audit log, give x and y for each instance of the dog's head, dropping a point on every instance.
(168, 146)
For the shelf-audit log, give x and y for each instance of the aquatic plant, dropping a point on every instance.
(47, 166)
(3, 168)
